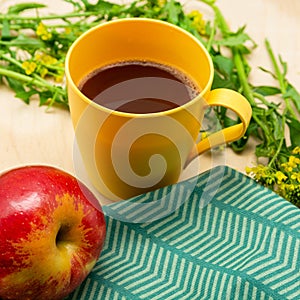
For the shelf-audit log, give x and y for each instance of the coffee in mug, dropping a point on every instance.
(139, 87)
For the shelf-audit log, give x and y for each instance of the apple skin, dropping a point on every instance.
(52, 230)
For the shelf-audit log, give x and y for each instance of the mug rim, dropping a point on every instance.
(131, 114)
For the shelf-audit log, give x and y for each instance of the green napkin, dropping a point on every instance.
(215, 236)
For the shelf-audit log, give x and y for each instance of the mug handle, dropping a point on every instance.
(239, 105)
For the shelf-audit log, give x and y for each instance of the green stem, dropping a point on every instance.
(211, 37)
(52, 67)
(47, 17)
(223, 26)
(279, 148)
(36, 79)
(12, 27)
(281, 80)
(261, 98)
(278, 73)
(20, 77)
(243, 76)
(39, 82)
(289, 108)
(11, 60)
(247, 91)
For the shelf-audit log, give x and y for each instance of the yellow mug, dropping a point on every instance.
(126, 154)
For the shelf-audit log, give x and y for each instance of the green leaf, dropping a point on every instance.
(234, 39)
(100, 6)
(253, 129)
(15, 84)
(278, 128)
(45, 96)
(26, 95)
(239, 145)
(221, 82)
(294, 127)
(19, 89)
(25, 42)
(268, 72)
(267, 90)
(229, 121)
(5, 30)
(284, 66)
(294, 95)
(18, 8)
(223, 64)
(263, 150)
(173, 11)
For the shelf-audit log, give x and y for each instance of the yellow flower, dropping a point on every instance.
(43, 32)
(204, 135)
(296, 150)
(68, 30)
(270, 180)
(161, 3)
(43, 72)
(49, 60)
(291, 187)
(59, 78)
(198, 21)
(287, 167)
(248, 170)
(259, 172)
(294, 161)
(280, 177)
(29, 66)
(296, 176)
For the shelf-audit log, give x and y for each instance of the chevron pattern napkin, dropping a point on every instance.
(215, 236)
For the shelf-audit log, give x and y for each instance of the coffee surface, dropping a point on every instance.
(138, 87)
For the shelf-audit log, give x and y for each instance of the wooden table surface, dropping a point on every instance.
(30, 135)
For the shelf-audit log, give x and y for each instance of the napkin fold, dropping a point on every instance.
(218, 235)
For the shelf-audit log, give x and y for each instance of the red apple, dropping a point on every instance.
(52, 230)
